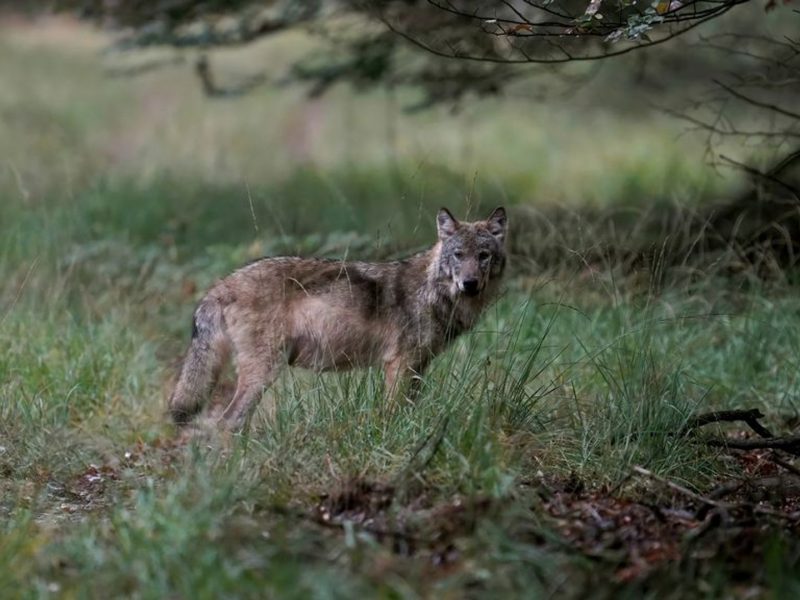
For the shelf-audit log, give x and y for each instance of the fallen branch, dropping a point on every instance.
(749, 416)
(707, 502)
(790, 444)
(786, 486)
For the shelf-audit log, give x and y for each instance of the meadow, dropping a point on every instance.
(122, 199)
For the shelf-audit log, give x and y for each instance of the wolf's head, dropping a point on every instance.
(471, 254)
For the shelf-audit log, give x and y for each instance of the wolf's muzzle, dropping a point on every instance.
(470, 287)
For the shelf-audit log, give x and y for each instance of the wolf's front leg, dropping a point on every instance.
(402, 380)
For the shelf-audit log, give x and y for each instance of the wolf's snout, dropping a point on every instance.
(471, 287)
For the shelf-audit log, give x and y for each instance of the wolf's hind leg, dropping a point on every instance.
(254, 378)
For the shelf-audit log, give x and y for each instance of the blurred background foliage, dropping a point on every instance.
(130, 144)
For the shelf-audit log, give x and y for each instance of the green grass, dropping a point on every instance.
(120, 201)
(547, 385)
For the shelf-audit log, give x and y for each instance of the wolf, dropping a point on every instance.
(335, 315)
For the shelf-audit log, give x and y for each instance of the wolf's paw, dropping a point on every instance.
(203, 431)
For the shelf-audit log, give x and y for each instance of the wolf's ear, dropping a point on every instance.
(496, 223)
(446, 224)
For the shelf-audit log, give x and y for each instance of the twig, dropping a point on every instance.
(758, 103)
(726, 489)
(785, 162)
(682, 490)
(533, 60)
(371, 529)
(786, 465)
(710, 522)
(755, 172)
(340, 525)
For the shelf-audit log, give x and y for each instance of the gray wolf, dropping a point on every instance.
(335, 315)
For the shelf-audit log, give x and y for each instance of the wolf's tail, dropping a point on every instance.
(203, 363)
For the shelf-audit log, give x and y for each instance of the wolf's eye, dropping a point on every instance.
(484, 255)
(458, 254)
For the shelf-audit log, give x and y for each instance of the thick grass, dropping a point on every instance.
(121, 201)
(550, 385)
